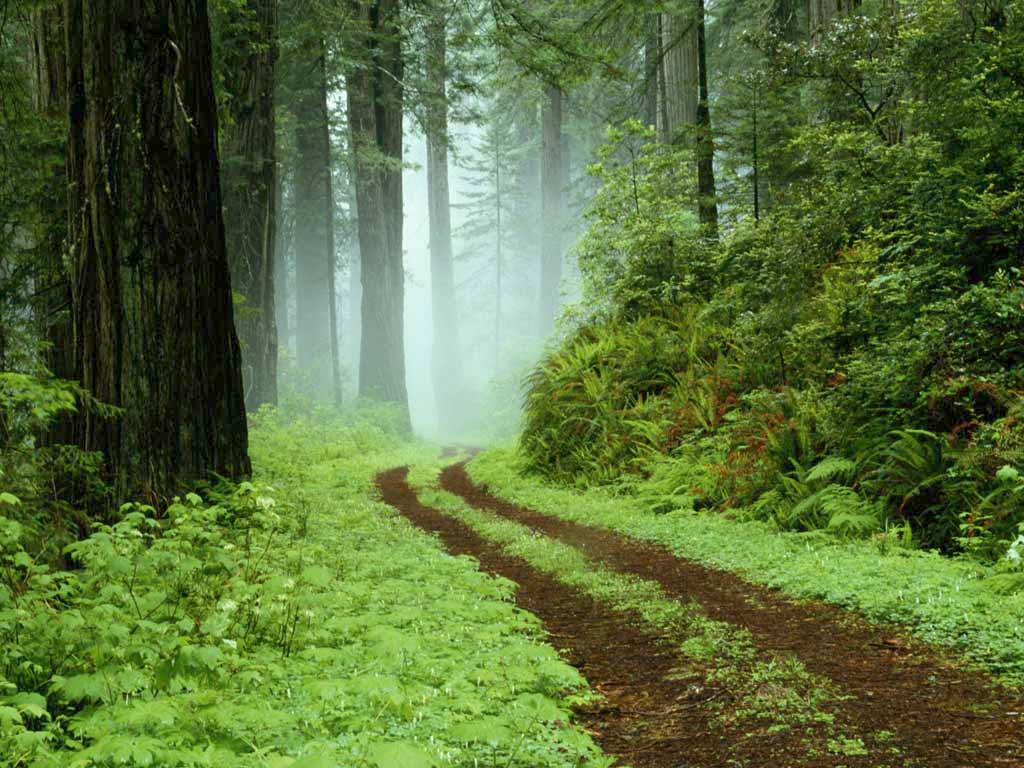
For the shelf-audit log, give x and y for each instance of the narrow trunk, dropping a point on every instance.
(312, 289)
(552, 186)
(250, 190)
(498, 255)
(150, 284)
(329, 223)
(446, 360)
(355, 288)
(375, 120)
(652, 66)
(707, 205)
(281, 251)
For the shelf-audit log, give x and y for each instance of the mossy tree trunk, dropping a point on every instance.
(151, 290)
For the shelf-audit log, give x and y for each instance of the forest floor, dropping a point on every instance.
(699, 667)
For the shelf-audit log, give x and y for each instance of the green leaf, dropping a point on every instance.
(401, 754)
(488, 730)
(9, 499)
(1005, 474)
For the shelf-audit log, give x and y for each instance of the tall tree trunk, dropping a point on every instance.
(249, 172)
(707, 204)
(355, 286)
(375, 120)
(445, 356)
(49, 64)
(552, 174)
(332, 267)
(312, 294)
(151, 288)
(679, 46)
(499, 256)
(281, 251)
(652, 69)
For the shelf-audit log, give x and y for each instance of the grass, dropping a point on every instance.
(951, 602)
(348, 638)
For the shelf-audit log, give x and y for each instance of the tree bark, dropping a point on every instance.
(822, 13)
(150, 284)
(332, 293)
(375, 122)
(707, 204)
(312, 294)
(652, 69)
(445, 359)
(552, 187)
(49, 65)
(281, 258)
(249, 172)
(679, 46)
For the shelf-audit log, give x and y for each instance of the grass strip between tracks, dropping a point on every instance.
(952, 602)
(750, 691)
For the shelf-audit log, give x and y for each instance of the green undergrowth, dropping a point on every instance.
(954, 602)
(290, 622)
(754, 691)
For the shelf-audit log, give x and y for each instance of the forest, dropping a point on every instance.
(548, 384)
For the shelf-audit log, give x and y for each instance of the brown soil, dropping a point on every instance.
(654, 713)
(941, 715)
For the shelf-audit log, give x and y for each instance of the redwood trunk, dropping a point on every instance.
(150, 284)
(552, 186)
(375, 121)
(250, 190)
(446, 362)
(707, 204)
(312, 295)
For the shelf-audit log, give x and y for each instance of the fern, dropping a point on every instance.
(833, 469)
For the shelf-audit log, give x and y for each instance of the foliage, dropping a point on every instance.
(299, 624)
(870, 315)
(955, 602)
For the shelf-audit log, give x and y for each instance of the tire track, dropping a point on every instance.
(648, 719)
(940, 716)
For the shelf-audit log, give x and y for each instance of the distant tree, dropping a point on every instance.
(446, 359)
(553, 182)
(375, 112)
(152, 301)
(249, 181)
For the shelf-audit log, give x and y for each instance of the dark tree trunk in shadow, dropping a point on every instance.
(707, 204)
(249, 173)
(150, 284)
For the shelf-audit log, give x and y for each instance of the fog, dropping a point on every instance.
(490, 399)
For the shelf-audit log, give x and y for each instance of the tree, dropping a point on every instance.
(707, 205)
(311, 233)
(151, 291)
(374, 85)
(552, 173)
(249, 173)
(446, 359)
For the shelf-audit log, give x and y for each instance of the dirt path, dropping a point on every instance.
(942, 716)
(650, 719)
